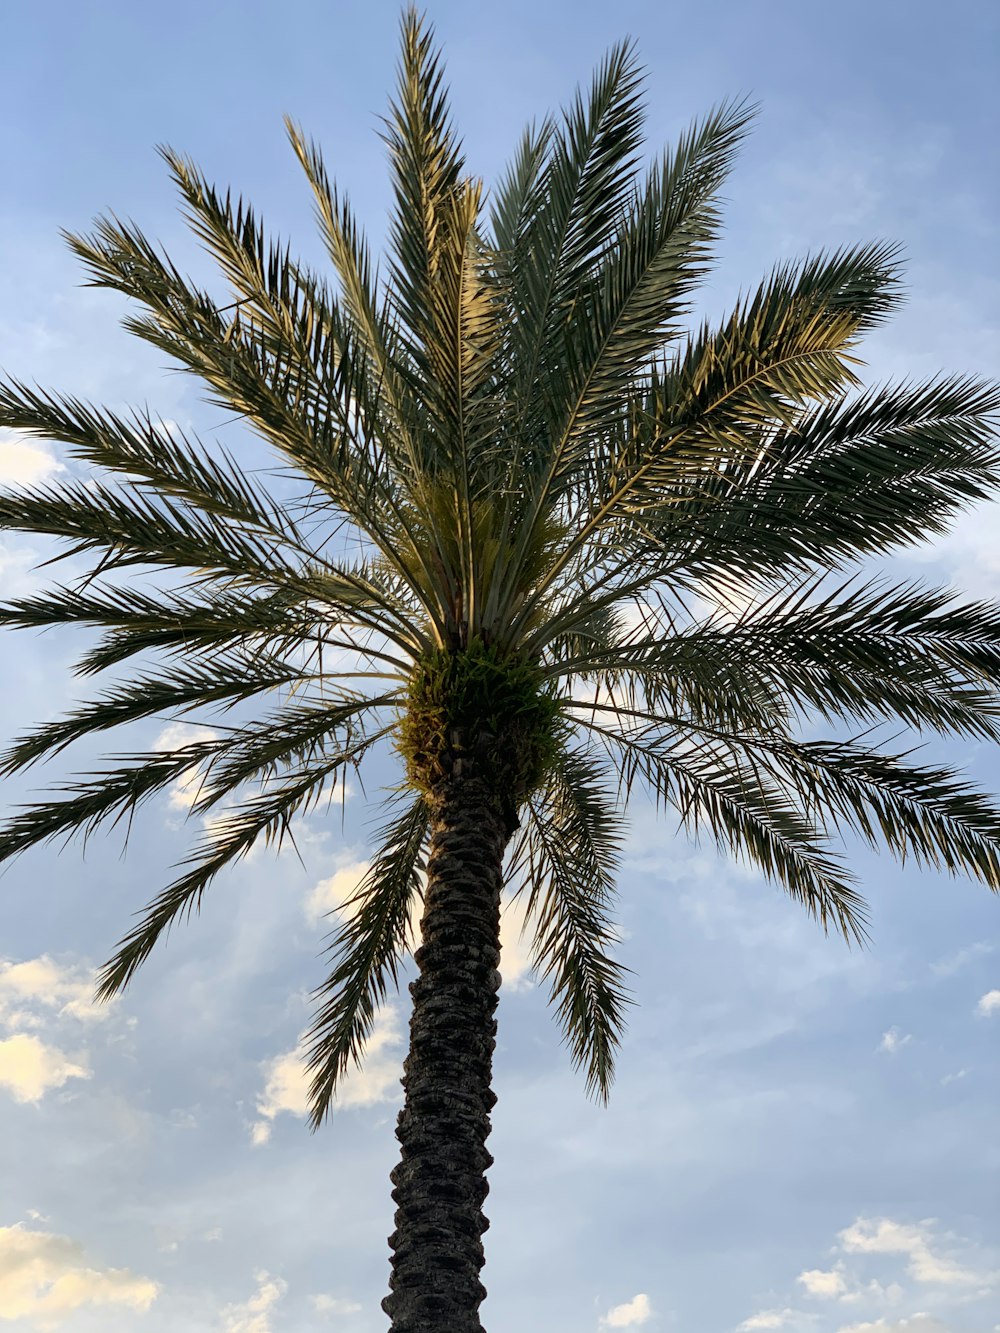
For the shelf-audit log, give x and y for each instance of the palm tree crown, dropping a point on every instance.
(545, 527)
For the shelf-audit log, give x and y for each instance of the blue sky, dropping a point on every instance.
(801, 1138)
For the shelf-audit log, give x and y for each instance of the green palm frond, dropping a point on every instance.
(95, 798)
(228, 681)
(331, 728)
(862, 652)
(136, 621)
(367, 948)
(725, 794)
(853, 477)
(228, 838)
(929, 813)
(306, 400)
(569, 855)
(779, 352)
(375, 340)
(168, 461)
(633, 303)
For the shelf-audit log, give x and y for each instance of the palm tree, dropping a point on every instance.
(547, 543)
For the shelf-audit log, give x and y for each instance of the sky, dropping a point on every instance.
(801, 1137)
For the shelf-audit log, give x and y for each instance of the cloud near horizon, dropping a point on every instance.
(44, 1278)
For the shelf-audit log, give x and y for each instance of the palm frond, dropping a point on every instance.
(367, 949)
(426, 164)
(331, 727)
(631, 306)
(854, 477)
(166, 459)
(745, 814)
(859, 651)
(569, 855)
(781, 350)
(94, 798)
(229, 680)
(228, 838)
(374, 337)
(926, 812)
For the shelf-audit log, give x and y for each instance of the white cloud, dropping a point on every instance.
(917, 1323)
(820, 1282)
(34, 994)
(953, 1078)
(29, 1068)
(515, 946)
(989, 1003)
(332, 894)
(287, 1086)
(43, 983)
(44, 1278)
(874, 1291)
(630, 1315)
(893, 1040)
(768, 1319)
(324, 1304)
(25, 461)
(254, 1315)
(882, 1236)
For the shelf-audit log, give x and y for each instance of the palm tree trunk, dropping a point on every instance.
(440, 1182)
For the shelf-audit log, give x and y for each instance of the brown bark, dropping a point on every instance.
(440, 1182)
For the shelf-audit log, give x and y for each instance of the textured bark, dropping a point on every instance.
(440, 1182)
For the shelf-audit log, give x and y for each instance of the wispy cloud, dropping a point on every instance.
(324, 1304)
(989, 1003)
(894, 1040)
(768, 1319)
(954, 1078)
(917, 1323)
(961, 958)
